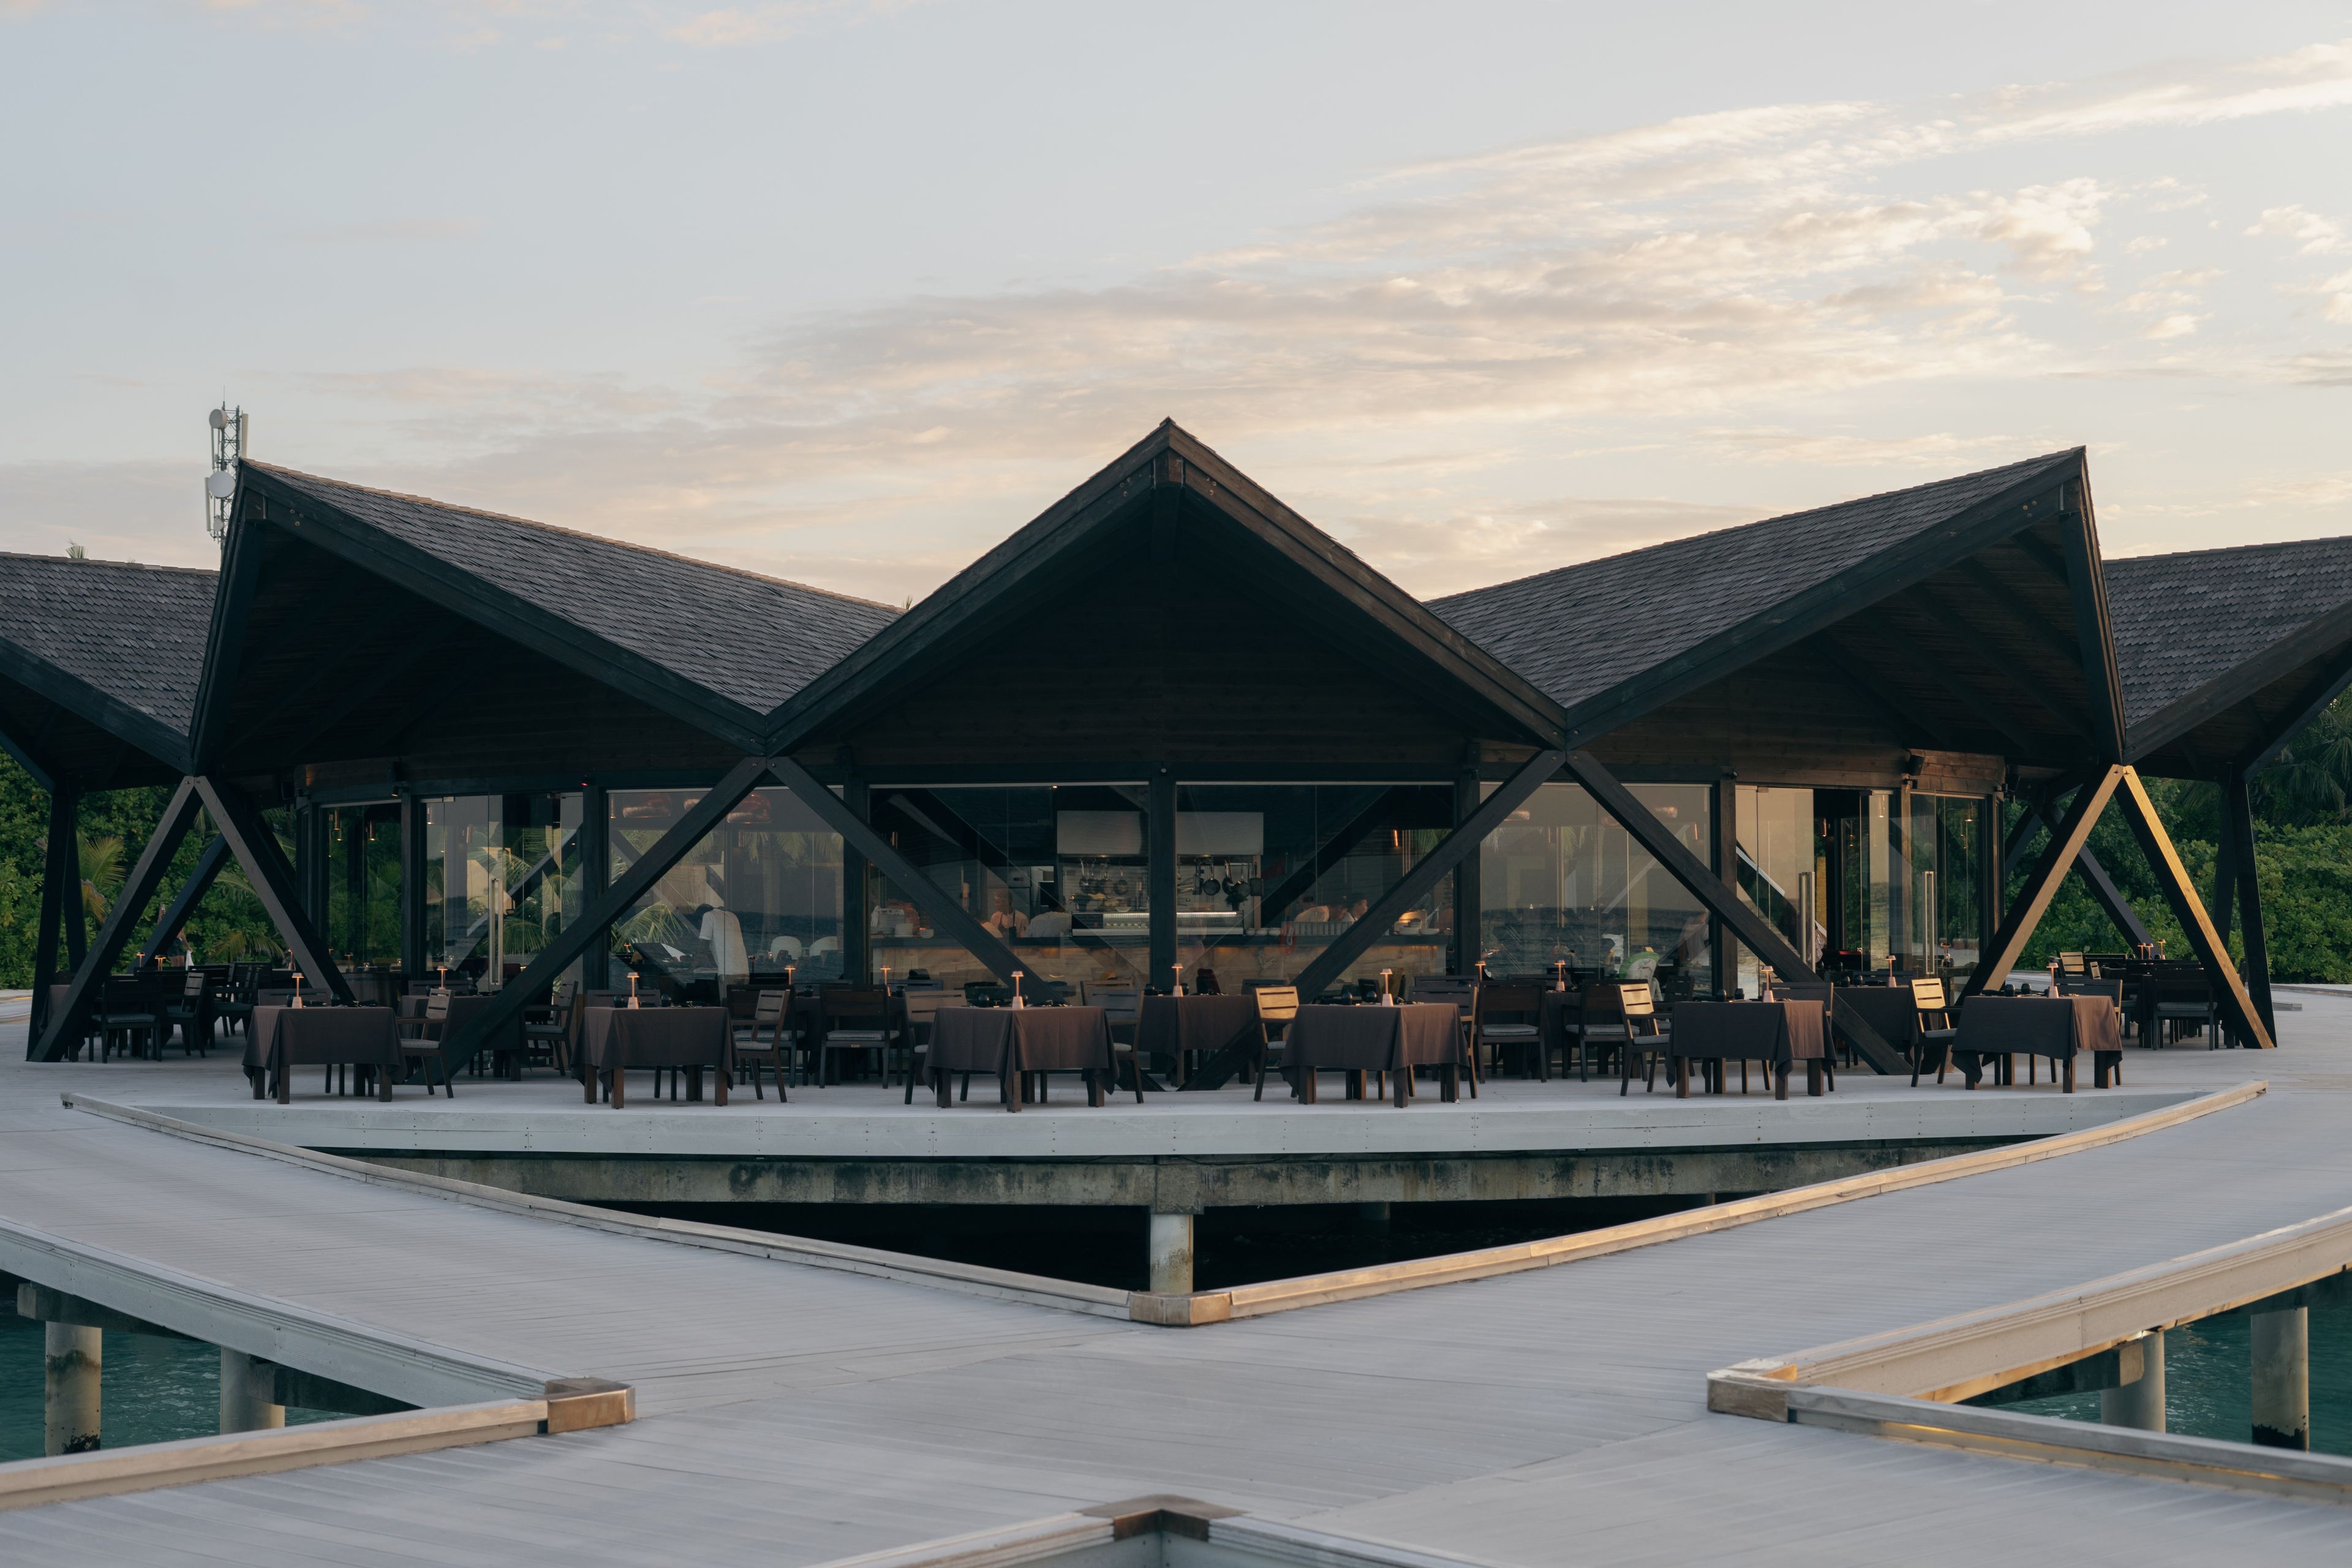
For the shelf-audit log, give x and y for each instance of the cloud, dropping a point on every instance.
(392, 231)
(2312, 234)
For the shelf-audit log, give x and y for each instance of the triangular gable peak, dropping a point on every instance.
(1955, 626)
(357, 625)
(2225, 654)
(1167, 611)
(100, 662)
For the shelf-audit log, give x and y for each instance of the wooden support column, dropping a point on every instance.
(61, 891)
(255, 847)
(2067, 841)
(856, 888)
(2238, 830)
(1992, 880)
(1170, 1250)
(2237, 1008)
(413, 813)
(1160, 881)
(1469, 898)
(596, 879)
(72, 1358)
(2281, 1365)
(138, 889)
(2138, 1403)
(77, 919)
(355, 885)
(184, 903)
(248, 1394)
(1723, 849)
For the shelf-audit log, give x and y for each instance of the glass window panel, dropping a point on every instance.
(1561, 883)
(759, 897)
(502, 876)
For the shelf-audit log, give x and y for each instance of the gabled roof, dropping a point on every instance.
(2258, 628)
(118, 646)
(1587, 631)
(1321, 582)
(750, 639)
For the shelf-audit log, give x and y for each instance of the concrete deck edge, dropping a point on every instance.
(905, 1267)
(1317, 1289)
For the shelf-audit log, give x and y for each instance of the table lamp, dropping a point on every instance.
(1016, 989)
(297, 993)
(633, 989)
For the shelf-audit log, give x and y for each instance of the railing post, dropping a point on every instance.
(248, 1394)
(1170, 1245)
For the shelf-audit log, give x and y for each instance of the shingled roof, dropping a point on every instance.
(752, 639)
(131, 634)
(2185, 620)
(1580, 631)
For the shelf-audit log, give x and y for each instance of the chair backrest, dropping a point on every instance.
(1635, 999)
(2071, 963)
(1124, 1003)
(855, 1004)
(769, 1008)
(194, 985)
(1805, 991)
(1276, 1004)
(1927, 994)
(923, 1003)
(1514, 999)
(2113, 989)
(269, 998)
(985, 994)
(437, 1007)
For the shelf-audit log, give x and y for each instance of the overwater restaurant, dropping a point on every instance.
(1167, 733)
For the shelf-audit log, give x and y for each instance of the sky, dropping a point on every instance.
(846, 292)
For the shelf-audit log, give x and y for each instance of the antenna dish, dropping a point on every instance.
(221, 484)
(220, 418)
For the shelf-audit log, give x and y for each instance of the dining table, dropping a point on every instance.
(283, 1038)
(1391, 1039)
(1012, 1043)
(615, 1040)
(2058, 1027)
(1887, 1011)
(1778, 1034)
(1180, 1029)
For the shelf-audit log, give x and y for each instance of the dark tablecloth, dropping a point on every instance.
(1005, 1042)
(655, 1037)
(286, 1037)
(1775, 1032)
(1166, 1025)
(2053, 1027)
(1372, 1040)
(1887, 1009)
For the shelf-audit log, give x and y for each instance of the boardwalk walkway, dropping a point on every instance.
(791, 1415)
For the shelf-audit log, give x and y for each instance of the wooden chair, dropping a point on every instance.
(2074, 966)
(2113, 989)
(547, 1032)
(1463, 995)
(1507, 1014)
(191, 1013)
(1123, 1005)
(923, 1004)
(424, 1047)
(2179, 1004)
(1933, 1030)
(770, 1016)
(131, 1011)
(1277, 1009)
(856, 1018)
(1644, 1032)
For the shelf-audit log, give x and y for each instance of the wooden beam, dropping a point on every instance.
(2067, 841)
(595, 877)
(508, 1000)
(2093, 636)
(412, 883)
(2104, 890)
(1379, 920)
(1837, 660)
(1469, 895)
(380, 674)
(2213, 953)
(2028, 683)
(138, 889)
(947, 914)
(2238, 829)
(2316, 699)
(184, 903)
(1159, 877)
(255, 847)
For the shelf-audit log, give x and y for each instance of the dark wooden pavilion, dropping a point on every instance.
(1172, 670)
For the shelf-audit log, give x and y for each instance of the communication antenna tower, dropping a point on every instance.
(220, 485)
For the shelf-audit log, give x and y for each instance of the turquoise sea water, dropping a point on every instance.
(2206, 1373)
(152, 1390)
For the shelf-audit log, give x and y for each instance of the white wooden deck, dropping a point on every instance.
(792, 1415)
